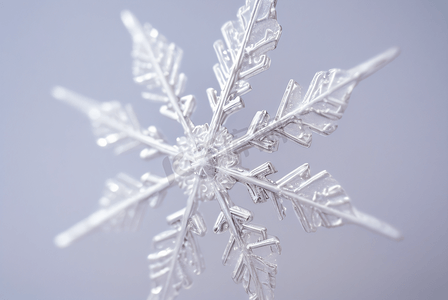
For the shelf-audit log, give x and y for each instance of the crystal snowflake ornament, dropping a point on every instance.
(206, 161)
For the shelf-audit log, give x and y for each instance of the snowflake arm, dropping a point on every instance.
(317, 200)
(319, 111)
(123, 203)
(256, 271)
(156, 65)
(172, 266)
(117, 126)
(247, 41)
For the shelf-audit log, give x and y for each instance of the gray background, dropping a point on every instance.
(389, 153)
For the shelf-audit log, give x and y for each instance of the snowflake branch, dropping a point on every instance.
(324, 119)
(98, 218)
(358, 218)
(218, 112)
(243, 55)
(138, 35)
(189, 211)
(111, 116)
(187, 257)
(235, 233)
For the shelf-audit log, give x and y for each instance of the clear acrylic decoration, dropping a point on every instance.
(206, 160)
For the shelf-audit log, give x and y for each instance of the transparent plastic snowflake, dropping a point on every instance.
(206, 161)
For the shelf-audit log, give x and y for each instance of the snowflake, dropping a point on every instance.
(206, 161)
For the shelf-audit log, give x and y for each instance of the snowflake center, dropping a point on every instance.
(196, 158)
(203, 161)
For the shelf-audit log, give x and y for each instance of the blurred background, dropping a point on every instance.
(389, 153)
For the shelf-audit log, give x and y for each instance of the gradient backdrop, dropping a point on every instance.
(389, 153)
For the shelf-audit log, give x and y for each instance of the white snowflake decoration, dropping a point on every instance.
(206, 161)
